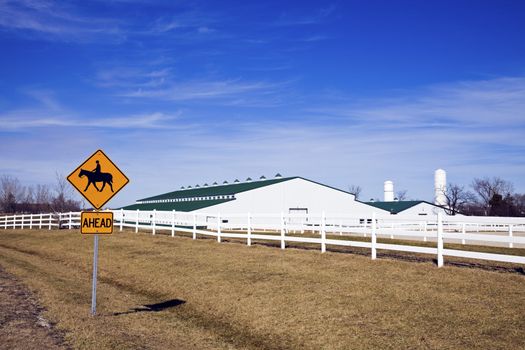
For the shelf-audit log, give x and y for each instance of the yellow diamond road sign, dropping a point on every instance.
(98, 179)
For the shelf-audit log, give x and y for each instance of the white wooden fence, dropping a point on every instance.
(322, 229)
(41, 221)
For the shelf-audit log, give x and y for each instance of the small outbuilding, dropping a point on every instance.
(421, 208)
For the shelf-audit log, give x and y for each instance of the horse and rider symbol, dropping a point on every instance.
(96, 175)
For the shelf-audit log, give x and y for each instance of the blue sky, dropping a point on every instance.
(186, 92)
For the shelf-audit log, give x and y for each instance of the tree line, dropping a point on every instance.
(483, 197)
(17, 198)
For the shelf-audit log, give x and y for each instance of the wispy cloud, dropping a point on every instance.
(27, 119)
(319, 16)
(132, 77)
(314, 38)
(489, 103)
(185, 21)
(213, 90)
(55, 21)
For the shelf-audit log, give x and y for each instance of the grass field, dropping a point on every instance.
(202, 294)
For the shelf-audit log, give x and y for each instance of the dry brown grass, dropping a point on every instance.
(260, 297)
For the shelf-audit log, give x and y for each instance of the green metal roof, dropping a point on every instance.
(395, 207)
(178, 206)
(219, 190)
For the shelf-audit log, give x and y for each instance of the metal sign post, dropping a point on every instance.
(94, 286)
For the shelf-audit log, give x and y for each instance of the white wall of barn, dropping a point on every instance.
(291, 197)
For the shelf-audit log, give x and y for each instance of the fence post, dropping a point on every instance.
(70, 218)
(50, 220)
(5, 222)
(323, 232)
(219, 227)
(153, 221)
(30, 221)
(283, 245)
(440, 240)
(374, 236)
(40, 222)
(121, 219)
(249, 241)
(173, 223)
(340, 227)
(194, 233)
(425, 231)
(511, 245)
(463, 231)
(137, 222)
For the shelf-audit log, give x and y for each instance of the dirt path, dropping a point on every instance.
(22, 325)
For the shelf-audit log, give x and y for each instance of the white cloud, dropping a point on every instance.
(36, 118)
(55, 21)
(224, 91)
(473, 104)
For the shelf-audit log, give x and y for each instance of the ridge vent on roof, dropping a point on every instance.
(262, 177)
(248, 179)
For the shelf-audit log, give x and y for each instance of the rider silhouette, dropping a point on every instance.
(97, 169)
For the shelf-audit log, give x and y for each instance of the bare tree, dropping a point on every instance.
(486, 188)
(519, 201)
(355, 190)
(457, 198)
(402, 195)
(11, 193)
(63, 201)
(42, 198)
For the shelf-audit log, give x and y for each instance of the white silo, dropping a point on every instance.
(389, 191)
(440, 187)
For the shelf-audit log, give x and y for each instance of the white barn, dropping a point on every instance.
(290, 195)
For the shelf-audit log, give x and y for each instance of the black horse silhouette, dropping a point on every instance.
(93, 178)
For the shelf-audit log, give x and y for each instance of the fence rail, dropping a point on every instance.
(313, 229)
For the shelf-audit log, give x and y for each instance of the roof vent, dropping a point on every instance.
(262, 177)
(225, 182)
(248, 179)
(205, 185)
(371, 199)
(215, 183)
(197, 186)
(278, 175)
(189, 186)
(182, 187)
(236, 180)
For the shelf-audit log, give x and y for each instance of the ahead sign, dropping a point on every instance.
(96, 222)
(98, 179)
